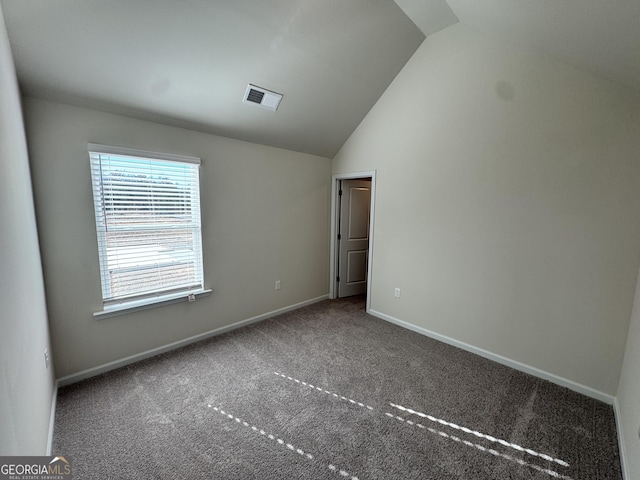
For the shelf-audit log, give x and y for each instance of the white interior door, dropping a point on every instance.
(353, 237)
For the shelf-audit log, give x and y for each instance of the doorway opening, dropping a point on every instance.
(352, 218)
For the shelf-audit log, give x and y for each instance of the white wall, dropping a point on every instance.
(26, 386)
(629, 395)
(508, 198)
(264, 216)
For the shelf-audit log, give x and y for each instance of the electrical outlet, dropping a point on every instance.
(397, 293)
(278, 285)
(46, 357)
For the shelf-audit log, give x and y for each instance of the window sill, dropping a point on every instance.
(148, 303)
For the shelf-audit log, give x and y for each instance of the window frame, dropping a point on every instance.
(152, 299)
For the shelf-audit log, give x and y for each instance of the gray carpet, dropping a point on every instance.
(328, 392)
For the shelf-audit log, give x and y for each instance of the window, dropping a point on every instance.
(147, 208)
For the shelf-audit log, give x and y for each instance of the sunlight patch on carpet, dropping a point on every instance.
(262, 432)
(477, 446)
(482, 435)
(322, 390)
(344, 473)
(281, 442)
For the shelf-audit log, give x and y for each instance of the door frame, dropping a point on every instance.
(335, 216)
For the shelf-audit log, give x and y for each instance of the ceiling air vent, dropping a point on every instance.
(262, 97)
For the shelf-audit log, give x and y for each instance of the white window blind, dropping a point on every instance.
(147, 208)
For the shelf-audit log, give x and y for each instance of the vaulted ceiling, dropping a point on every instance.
(188, 62)
(600, 36)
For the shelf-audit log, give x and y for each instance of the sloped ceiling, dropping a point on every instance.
(430, 16)
(598, 36)
(188, 62)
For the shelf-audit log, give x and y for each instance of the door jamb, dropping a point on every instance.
(335, 180)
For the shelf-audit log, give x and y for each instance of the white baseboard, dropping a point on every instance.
(52, 418)
(577, 387)
(623, 456)
(92, 372)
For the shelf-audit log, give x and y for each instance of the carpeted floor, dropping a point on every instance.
(328, 392)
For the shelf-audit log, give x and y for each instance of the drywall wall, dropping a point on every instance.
(26, 385)
(508, 193)
(264, 218)
(628, 397)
